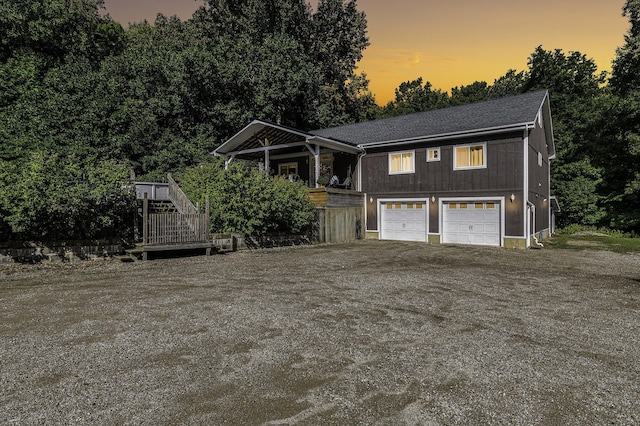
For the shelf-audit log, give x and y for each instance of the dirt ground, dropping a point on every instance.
(371, 332)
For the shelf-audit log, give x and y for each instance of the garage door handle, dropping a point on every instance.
(470, 227)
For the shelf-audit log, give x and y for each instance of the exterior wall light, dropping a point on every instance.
(371, 200)
(433, 198)
(512, 197)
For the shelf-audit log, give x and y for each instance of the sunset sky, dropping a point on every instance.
(454, 42)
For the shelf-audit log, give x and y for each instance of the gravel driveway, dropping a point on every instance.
(364, 333)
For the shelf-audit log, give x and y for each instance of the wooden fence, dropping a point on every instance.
(175, 228)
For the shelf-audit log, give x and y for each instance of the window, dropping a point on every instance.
(433, 154)
(288, 169)
(401, 162)
(469, 156)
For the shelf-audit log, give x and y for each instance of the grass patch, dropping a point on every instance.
(595, 241)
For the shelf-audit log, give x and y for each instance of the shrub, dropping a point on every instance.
(50, 197)
(244, 199)
(575, 229)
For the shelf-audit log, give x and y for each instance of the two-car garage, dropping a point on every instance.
(462, 221)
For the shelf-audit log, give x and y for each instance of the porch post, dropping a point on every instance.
(266, 161)
(228, 161)
(316, 155)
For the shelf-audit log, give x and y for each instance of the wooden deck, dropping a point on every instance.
(335, 197)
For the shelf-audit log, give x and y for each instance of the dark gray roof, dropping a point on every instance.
(495, 114)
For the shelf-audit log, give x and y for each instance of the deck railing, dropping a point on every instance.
(179, 199)
(175, 228)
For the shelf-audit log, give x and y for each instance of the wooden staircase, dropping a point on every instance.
(174, 224)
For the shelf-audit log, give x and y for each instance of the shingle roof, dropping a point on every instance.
(494, 114)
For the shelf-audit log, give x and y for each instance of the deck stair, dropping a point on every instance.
(174, 224)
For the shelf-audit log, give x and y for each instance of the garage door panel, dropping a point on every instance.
(405, 221)
(478, 223)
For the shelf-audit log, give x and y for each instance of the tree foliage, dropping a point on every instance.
(414, 96)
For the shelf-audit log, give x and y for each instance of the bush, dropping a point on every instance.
(245, 200)
(52, 198)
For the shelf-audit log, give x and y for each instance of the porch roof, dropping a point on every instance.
(262, 136)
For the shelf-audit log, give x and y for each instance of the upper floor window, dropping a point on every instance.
(433, 154)
(402, 162)
(470, 156)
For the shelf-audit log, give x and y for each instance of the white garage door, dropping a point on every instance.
(405, 221)
(473, 222)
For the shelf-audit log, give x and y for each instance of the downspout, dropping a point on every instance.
(533, 235)
(525, 188)
(360, 157)
(364, 226)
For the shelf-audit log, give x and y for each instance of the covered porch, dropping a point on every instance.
(296, 155)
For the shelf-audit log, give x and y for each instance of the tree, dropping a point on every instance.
(57, 28)
(413, 96)
(575, 90)
(510, 84)
(625, 78)
(338, 38)
(620, 129)
(475, 92)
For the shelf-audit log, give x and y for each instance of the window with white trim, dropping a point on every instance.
(433, 154)
(402, 162)
(470, 156)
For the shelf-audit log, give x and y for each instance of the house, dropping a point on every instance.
(471, 174)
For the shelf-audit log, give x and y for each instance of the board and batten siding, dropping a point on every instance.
(539, 177)
(503, 175)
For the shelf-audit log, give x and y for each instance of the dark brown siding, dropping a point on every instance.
(503, 176)
(539, 177)
(504, 170)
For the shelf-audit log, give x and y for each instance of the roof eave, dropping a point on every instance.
(236, 139)
(229, 147)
